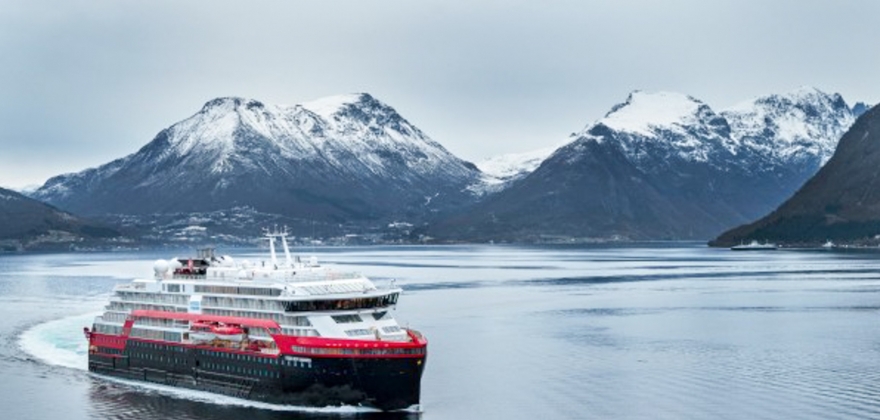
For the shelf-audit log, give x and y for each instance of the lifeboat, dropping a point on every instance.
(200, 331)
(228, 332)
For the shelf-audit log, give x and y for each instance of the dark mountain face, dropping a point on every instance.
(585, 189)
(339, 159)
(664, 166)
(841, 202)
(30, 224)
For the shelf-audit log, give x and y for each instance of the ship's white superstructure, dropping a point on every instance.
(302, 296)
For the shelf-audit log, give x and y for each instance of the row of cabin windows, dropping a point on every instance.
(236, 356)
(171, 336)
(242, 303)
(300, 321)
(177, 349)
(155, 346)
(153, 297)
(358, 351)
(161, 322)
(304, 332)
(108, 329)
(160, 358)
(346, 319)
(340, 304)
(114, 316)
(130, 306)
(108, 350)
(222, 367)
(358, 332)
(333, 288)
(298, 362)
(238, 290)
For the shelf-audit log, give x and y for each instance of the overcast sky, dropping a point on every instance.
(86, 82)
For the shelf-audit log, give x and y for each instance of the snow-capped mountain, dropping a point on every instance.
(348, 157)
(500, 171)
(801, 127)
(666, 166)
(840, 203)
(659, 129)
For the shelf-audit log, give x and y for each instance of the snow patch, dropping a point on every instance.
(8, 197)
(643, 112)
(326, 107)
(802, 124)
(512, 165)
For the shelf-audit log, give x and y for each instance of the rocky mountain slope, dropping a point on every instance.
(665, 166)
(840, 203)
(30, 224)
(339, 159)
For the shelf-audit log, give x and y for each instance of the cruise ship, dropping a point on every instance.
(288, 331)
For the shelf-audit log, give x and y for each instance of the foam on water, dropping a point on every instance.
(61, 343)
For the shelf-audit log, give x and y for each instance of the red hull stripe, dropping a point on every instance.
(332, 347)
(417, 342)
(109, 341)
(290, 348)
(182, 316)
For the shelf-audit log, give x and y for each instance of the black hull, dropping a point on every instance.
(383, 383)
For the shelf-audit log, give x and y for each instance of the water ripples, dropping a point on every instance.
(657, 331)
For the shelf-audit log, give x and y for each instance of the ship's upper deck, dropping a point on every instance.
(290, 277)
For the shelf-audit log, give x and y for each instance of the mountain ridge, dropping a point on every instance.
(351, 158)
(29, 224)
(698, 172)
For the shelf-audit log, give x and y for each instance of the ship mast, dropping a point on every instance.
(282, 234)
(287, 260)
(271, 236)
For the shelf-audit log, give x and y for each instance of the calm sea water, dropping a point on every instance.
(636, 332)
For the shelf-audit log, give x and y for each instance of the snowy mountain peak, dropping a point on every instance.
(230, 104)
(234, 131)
(360, 107)
(328, 106)
(660, 126)
(803, 97)
(643, 112)
(805, 123)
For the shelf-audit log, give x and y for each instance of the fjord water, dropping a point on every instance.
(675, 331)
